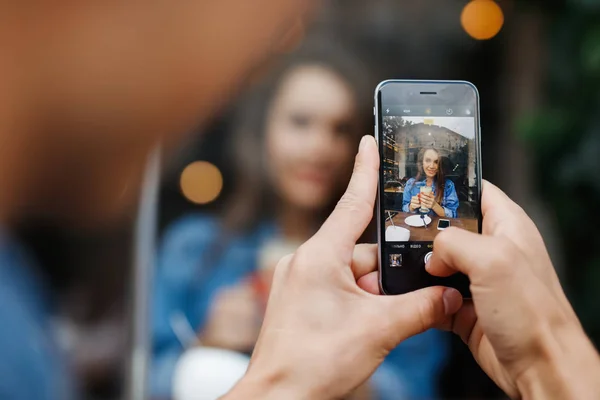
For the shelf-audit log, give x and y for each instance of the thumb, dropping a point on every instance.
(415, 312)
(354, 211)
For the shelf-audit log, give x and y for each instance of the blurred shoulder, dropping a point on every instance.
(410, 182)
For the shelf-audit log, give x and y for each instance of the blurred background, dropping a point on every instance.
(261, 178)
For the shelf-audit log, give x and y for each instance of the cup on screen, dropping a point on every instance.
(425, 190)
(396, 234)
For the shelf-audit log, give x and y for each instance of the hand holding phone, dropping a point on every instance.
(330, 267)
(525, 336)
(320, 270)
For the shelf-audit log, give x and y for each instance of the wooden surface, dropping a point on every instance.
(426, 235)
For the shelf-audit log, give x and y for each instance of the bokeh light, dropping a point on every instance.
(482, 19)
(201, 182)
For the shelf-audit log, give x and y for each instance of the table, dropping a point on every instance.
(427, 235)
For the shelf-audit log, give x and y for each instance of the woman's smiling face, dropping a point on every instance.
(431, 163)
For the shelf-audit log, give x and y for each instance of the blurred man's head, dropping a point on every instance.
(95, 84)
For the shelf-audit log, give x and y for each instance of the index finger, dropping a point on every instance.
(488, 261)
(457, 250)
(459, 246)
(354, 211)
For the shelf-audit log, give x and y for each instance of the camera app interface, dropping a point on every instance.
(429, 179)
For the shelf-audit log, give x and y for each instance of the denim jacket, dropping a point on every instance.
(449, 199)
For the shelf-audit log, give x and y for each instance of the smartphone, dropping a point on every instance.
(443, 224)
(428, 133)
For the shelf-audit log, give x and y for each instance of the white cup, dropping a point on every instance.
(204, 373)
(397, 234)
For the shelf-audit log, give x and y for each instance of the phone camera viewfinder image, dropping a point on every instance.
(429, 175)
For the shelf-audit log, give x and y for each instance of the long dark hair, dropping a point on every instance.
(440, 178)
(253, 198)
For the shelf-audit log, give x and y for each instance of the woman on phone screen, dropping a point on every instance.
(441, 198)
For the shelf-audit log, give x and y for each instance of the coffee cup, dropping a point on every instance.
(425, 190)
(206, 373)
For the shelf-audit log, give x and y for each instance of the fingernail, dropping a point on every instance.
(363, 143)
(452, 301)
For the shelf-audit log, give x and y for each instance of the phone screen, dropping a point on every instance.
(428, 135)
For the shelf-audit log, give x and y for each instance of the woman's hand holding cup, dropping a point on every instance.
(234, 319)
(415, 203)
(427, 200)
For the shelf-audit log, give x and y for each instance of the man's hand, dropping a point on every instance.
(323, 335)
(520, 327)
